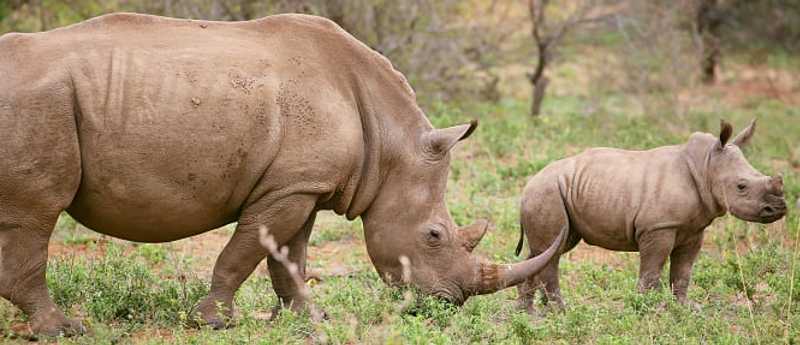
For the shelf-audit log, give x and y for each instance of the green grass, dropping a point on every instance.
(746, 278)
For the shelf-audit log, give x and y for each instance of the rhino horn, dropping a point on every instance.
(776, 184)
(495, 277)
(471, 235)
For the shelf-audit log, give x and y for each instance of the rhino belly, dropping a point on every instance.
(170, 147)
(604, 218)
(143, 205)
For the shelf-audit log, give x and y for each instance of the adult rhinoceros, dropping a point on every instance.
(154, 129)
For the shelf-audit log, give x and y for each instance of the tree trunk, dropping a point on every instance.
(539, 87)
(708, 22)
(490, 91)
(43, 23)
(246, 9)
(537, 78)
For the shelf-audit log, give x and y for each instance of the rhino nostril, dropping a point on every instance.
(769, 210)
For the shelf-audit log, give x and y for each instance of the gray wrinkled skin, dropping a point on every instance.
(656, 202)
(154, 129)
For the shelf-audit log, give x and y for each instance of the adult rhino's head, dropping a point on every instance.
(409, 221)
(745, 192)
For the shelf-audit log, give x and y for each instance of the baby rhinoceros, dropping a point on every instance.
(656, 202)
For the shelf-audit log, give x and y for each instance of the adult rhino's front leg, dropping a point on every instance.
(286, 287)
(286, 219)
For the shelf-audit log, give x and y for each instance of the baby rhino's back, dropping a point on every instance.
(612, 194)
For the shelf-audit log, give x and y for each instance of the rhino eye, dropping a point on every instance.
(434, 237)
(741, 186)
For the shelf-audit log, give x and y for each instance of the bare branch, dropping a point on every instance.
(281, 255)
(547, 39)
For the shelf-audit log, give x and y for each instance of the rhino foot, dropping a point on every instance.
(217, 324)
(215, 314)
(315, 313)
(526, 305)
(542, 312)
(692, 305)
(55, 324)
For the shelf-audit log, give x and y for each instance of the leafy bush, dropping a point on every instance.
(116, 287)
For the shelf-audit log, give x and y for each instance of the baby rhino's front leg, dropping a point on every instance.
(654, 248)
(680, 266)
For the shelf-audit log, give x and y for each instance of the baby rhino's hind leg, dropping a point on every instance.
(546, 281)
(549, 276)
(526, 292)
(542, 219)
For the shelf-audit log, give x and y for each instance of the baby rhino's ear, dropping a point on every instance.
(724, 133)
(743, 138)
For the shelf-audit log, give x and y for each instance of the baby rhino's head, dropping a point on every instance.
(748, 194)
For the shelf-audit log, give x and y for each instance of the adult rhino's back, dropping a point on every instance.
(178, 120)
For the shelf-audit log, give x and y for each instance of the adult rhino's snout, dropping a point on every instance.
(493, 277)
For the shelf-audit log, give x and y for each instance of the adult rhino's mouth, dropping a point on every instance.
(492, 277)
(454, 297)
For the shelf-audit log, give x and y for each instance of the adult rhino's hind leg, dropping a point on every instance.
(284, 219)
(40, 172)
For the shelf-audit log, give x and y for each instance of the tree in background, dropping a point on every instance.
(709, 20)
(547, 34)
(481, 49)
(424, 39)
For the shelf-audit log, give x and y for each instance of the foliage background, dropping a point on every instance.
(630, 80)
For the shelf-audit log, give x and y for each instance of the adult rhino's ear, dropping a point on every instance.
(724, 133)
(438, 141)
(743, 138)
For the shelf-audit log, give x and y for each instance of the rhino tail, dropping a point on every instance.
(521, 239)
(561, 187)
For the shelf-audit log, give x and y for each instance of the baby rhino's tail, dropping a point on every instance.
(561, 188)
(521, 239)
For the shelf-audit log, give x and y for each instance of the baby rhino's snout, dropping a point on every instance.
(775, 211)
(774, 203)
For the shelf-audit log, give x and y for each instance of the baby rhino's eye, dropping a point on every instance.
(741, 186)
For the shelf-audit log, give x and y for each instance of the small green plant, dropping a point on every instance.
(115, 288)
